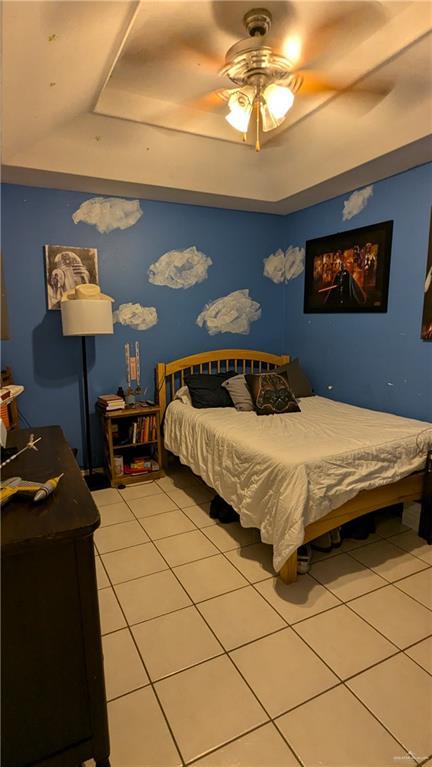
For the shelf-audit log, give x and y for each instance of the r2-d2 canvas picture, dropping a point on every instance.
(66, 267)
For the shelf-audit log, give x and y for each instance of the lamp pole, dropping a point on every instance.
(87, 316)
(87, 411)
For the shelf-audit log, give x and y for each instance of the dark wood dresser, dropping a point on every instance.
(53, 691)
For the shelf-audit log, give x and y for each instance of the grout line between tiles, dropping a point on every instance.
(413, 659)
(147, 620)
(123, 548)
(381, 633)
(407, 551)
(135, 689)
(173, 535)
(421, 569)
(392, 734)
(244, 734)
(332, 669)
(418, 641)
(418, 664)
(378, 588)
(103, 526)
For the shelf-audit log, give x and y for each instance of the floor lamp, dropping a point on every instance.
(87, 317)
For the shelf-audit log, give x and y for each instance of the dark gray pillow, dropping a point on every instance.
(238, 390)
(206, 389)
(297, 378)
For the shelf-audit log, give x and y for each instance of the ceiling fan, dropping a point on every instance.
(265, 78)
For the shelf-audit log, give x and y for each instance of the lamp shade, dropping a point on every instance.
(86, 317)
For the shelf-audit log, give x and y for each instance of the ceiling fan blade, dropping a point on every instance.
(198, 50)
(315, 83)
(349, 26)
(194, 48)
(212, 101)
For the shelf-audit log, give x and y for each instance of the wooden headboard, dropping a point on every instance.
(170, 375)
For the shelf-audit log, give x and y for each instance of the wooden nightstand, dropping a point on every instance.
(132, 438)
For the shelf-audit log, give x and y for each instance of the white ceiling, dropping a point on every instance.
(109, 97)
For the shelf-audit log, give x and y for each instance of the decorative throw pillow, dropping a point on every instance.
(271, 393)
(206, 389)
(238, 390)
(297, 378)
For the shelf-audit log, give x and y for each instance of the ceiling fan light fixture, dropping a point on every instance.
(239, 119)
(240, 105)
(279, 100)
(268, 122)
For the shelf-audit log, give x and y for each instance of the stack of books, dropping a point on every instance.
(111, 402)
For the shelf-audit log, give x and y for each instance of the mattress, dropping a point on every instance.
(282, 472)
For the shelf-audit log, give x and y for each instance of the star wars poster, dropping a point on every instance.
(349, 271)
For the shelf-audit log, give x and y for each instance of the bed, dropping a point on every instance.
(298, 475)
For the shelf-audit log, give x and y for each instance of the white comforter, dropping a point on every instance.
(282, 472)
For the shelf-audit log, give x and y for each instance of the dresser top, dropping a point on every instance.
(67, 513)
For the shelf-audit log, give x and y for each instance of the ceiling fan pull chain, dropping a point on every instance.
(257, 143)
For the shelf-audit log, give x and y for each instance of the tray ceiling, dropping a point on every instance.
(113, 99)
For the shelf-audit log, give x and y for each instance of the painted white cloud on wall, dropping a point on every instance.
(136, 316)
(284, 266)
(230, 314)
(180, 268)
(108, 213)
(356, 202)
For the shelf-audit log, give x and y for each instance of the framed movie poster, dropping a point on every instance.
(426, 329)
(349, 271)
(65, 268)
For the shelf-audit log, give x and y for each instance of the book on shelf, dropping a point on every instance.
(144, 429)
(111, 402)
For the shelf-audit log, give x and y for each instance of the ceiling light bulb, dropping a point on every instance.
(239, 119)
(292, 48)
(279, 100)
(240, 105)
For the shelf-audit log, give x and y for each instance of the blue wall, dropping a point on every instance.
(373, 360)
(49, 365)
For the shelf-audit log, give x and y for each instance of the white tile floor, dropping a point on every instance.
(210, 659)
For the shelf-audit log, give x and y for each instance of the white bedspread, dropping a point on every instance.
(282, 472)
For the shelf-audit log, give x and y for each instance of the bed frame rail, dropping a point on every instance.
(405, 490)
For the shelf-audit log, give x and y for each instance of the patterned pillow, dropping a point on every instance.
(271, 394)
